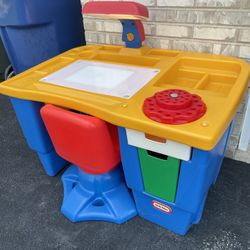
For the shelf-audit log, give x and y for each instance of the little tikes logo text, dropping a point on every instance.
(162, 207)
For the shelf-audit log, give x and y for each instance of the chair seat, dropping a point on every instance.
(88, 142)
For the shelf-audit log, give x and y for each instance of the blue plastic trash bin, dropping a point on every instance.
(33, 31)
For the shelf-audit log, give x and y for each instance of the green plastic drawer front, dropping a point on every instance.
(160, 176)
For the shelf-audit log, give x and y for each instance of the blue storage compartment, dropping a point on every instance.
(163, 213)
(198, 174)
(34, 31)
(195, 178)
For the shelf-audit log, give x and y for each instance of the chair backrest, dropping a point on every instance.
(86, 141)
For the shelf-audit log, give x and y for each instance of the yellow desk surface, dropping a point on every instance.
(220, 81)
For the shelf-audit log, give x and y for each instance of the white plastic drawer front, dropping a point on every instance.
(170, 148)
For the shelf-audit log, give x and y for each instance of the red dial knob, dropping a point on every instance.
(174, 106)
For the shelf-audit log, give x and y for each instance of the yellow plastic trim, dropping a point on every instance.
(220, 81)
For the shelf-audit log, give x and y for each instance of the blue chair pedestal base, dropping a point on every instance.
(96, 197)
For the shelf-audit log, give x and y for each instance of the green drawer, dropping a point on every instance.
(160, 174)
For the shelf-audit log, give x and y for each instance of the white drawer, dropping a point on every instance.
(167, 147)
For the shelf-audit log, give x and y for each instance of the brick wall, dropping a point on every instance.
(213, 26)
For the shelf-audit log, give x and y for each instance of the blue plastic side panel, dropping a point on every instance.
(52, 162)
(178, 221)
(28, 115)
(195, 178)
(25, 12)
(33, 31)
(226, 138)
(197, 175)
(21, 59)
(130, 162)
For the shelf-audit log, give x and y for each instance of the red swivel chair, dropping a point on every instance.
(94, 187)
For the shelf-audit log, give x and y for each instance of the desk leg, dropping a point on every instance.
(36, 135)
